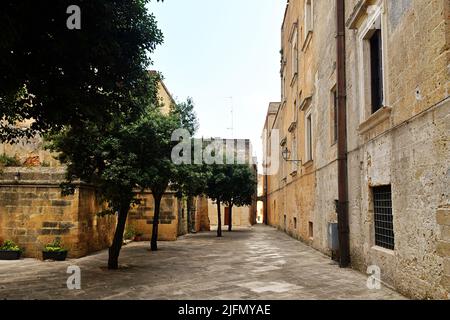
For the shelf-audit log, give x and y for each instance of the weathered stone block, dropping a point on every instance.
(66, 225)
(47, 224)
(443, 248)
(445, 233)
(443, 217)
(55, 232)
(61, 203)
(447, 266)
(445, 282)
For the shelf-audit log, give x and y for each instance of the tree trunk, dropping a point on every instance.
(230, 224)
(219, 220)
(114, 250)
(154, 241)
(191, 214)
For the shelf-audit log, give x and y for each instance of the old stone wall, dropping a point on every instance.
(404, 144)
(241, 215)
(201, 215)
(140, 217)
(33, 213)
(443, 247)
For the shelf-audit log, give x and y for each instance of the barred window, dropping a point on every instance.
(384, 229)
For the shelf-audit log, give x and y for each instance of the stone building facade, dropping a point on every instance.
(33, 213)
(398, 133)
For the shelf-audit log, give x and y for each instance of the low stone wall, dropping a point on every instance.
(33, 213)
(140, 218)
(202, 222)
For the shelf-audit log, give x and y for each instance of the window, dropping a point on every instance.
(376, 70)
(311, 230)
(382, 206)
(285, 222)
(294, 53)
(309, 17)
(294, 155)
(309, 137)
(372, 67)
(334, 116)
(295, 223)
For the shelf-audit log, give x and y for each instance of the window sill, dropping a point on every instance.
(375, 119)
(294, 79)
(307, 40)
(305, 103)
(292, 126)
(308, 163)
(383, 250)
(293, 173)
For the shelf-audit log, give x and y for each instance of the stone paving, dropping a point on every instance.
(256, 263)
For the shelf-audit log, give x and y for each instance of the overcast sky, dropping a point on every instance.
(223, 54)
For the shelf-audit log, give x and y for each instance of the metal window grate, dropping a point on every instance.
(384, 229)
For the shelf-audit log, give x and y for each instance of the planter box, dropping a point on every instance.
(56, 256)
(10, 255)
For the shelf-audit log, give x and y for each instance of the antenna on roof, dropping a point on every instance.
(232, 116)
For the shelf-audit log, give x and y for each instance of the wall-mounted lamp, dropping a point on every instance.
(287, 156)
(17, 176)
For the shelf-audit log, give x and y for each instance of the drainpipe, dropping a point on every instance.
(342, 210)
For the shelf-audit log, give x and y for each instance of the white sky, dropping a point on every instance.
(217, 49)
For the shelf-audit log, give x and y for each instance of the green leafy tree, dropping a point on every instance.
(57, 77)
(112, 157)
(216, 186)
(160, 171)
(163, 173)
(190, 182)
(103, 158)
(240, 188)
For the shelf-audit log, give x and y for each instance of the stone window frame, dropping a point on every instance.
(308, 23)
(295, 59)
(309, 136)
(371, 219)
(374, 12)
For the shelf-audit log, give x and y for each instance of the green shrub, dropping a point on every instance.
(129, 234)
(45, 164)
(9, 245)
(7, 161)
(55, 246)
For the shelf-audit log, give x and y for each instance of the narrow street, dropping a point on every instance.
(256, 263)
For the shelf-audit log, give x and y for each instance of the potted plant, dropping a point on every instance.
(54, 251)
(138, 236)
(129, 235)
(10, 251)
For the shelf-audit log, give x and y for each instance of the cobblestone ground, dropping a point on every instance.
(256, 263)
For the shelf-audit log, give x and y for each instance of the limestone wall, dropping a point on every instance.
(202, 222)
(33, 213)
(140, 218)
(241, 215)
(405, 144)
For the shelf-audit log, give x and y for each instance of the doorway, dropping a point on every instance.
(227, 216)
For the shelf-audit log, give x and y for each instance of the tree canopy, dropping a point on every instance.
(55, 76)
